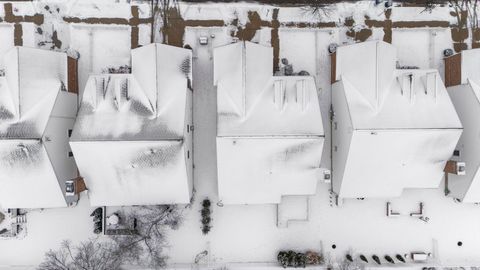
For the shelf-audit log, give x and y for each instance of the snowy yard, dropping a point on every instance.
(247, 236)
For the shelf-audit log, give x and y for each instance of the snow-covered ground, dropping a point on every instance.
(247, 236)
(46, 229)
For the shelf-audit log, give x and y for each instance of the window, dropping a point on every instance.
(188, 128)
(70, 154)
(456, 153)
(69, 133)
(188, 154)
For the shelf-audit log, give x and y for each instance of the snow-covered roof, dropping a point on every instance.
(379, 96)
(252, 102)
(393, 128)
(149, 104)
(128, 139)
(269, 128)
(28, 92)
(466, 98)
(470, 66)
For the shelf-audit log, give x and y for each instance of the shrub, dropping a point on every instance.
(206, 216)
(314, 258)
(297, 259)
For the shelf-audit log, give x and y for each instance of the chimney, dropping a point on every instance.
(72, 75)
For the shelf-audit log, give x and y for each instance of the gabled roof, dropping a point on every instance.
(27, 178)
(133, 172)
(252, 102)
(475, 87)
(393, 128)
(470, 70)
(470, 66)
(149, 104)
(29, 90)
(269, 128)
(128, 139)
(261, 170)
(379, 96)
(28, 94)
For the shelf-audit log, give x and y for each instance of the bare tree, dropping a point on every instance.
(318, 8)
(89, 255)
(161, 12)
(429, 5)
(147, 245)
(468, 7)
(144, 247)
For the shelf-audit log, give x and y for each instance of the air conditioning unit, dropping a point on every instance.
(74, 186)
(69, 188)
(203, 40)
(419, 257)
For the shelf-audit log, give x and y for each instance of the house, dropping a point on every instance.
(462, 75)
(36, 117)
(132, 139)
(392, 129)
(269, 128)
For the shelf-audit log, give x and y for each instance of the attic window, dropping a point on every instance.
(456, 153)
(69, 133)
(70, 154)
(302, 96)
(406, 82)
(431, 83)
(279, 94)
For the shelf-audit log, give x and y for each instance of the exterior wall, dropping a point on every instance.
(342, 132)
(65, 105)
(56, 138)
(453, 70)
(466, 187)
(188, 141)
